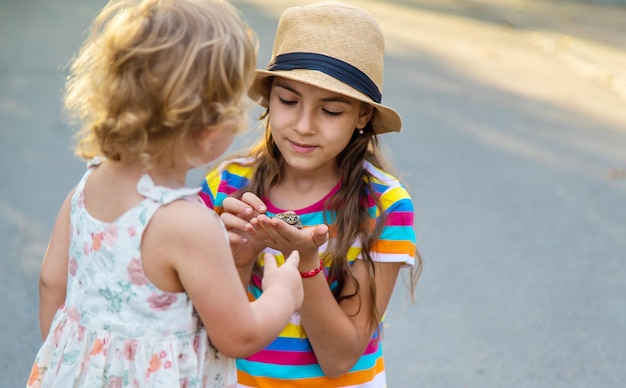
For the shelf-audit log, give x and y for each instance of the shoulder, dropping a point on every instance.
(182, 236)
(233, 172)
(389, 189)
(225, 179)
(232, 169)
(185, 221)
(183, 230)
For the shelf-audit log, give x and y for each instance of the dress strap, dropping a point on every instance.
(93, 163)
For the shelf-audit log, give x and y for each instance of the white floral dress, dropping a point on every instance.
(117, 329)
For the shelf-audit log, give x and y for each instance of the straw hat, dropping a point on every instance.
(334, 46)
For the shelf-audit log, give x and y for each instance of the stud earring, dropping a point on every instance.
(361, 131)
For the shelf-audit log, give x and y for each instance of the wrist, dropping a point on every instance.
(313, 272)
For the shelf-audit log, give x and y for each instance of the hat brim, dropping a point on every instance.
(384, 119)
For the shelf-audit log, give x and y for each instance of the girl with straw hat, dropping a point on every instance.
(319, 168)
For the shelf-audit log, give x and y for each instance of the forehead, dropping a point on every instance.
(307, 90)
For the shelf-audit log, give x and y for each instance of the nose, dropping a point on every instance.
(304, 122)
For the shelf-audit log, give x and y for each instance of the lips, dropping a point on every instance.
(301, 148)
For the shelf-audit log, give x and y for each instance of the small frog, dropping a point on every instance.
(291, 218)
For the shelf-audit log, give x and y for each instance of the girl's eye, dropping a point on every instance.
(286, 102)
(331, 113)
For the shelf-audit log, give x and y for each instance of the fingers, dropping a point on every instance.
(264, 223)
(320, 234)
(263, 219)
(234, 222)
(284, 237)
(276, 224)
(236, 239)
(270, 261)
(254, 202)
(293, 259)
(247, 207)
(238, 208)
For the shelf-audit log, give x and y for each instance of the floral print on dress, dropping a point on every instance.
(116, 328)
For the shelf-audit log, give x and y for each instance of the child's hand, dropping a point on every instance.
(287, 276)
(236, 217)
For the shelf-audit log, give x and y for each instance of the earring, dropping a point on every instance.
(361, 131)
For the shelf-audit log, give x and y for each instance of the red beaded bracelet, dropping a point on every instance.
(313, 272)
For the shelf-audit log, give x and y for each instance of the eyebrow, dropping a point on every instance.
(337, 98)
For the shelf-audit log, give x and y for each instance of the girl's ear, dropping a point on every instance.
(365, 115)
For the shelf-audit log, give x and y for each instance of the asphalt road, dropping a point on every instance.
(514, 147)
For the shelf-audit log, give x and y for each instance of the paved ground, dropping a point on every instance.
(514, 146)
(587, 36)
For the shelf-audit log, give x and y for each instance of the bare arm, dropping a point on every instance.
(339, 333)
(53, 275)
(187, 242)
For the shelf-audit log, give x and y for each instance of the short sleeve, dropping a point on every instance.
(397, 240)
(211, 180)
(225, 180)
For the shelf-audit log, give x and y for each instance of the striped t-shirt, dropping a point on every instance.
(289, 360)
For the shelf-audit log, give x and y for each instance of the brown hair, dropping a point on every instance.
(348, 204)
(154, 72)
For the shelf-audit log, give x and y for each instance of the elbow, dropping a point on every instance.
(52, 290)
(51, 285)
(341, 362)
(236, 351)
(239, 347)
(334, 373)
(337, 368)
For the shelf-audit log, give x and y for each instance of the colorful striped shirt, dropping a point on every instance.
(289, 360)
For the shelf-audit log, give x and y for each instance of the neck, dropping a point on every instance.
(168, 177)
(307, 181)
(297, 189)
(173, 177)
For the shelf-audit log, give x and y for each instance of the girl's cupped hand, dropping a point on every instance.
(277, 234)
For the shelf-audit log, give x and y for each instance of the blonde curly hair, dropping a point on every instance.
(154, 72)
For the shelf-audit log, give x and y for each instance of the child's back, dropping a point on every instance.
(117, 327)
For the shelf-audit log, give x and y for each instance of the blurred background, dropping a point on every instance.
(513, 146)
